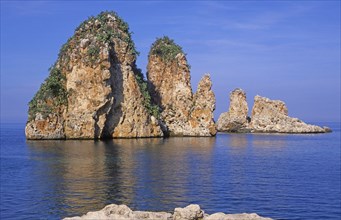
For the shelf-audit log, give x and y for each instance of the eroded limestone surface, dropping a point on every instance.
(191, 212)
(268, 116)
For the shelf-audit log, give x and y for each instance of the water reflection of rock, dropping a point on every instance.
(161, 168)
(75, 170)
(269, 140)
(142, 173)
(241, 140)
(238, 140)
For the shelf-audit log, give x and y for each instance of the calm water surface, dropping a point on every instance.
(279, 176)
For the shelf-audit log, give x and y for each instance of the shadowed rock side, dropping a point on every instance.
(183, 113)
(104, 98)
(269, 116)
(191, 212)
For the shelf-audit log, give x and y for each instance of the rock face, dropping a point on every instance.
(100, 91)
(236, 119)
(48, 127)
(191, 212)
(269, 116)
(272, 116)
(201, 120)
(183, 113)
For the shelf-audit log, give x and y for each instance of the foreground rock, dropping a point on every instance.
(94, 90)
(191, 212)
(183, 113)
(269, 116)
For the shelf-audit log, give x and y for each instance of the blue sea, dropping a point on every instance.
(275, 175)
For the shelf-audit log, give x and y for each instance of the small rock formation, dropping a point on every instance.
(95, 89)
(272, 116)
(183, 113)
(191, 212)
(268, 116)
(236, 119)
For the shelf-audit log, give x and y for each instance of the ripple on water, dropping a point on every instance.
(280, 176)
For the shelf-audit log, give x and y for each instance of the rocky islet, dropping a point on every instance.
(268, 116)
(183, 113)
(95, 91)
(105, 95)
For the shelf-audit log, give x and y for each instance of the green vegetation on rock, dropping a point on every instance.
(93, 53)
(103, 29)
(51, 95)
(152, 108)
(100, 30)
(165, 48)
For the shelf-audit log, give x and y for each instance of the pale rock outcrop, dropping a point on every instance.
(191, 212)
(49, 127)
(171, 90)
(268, 116)
(236, 119)
(272, 116)
(104, 98)
(201, 118)
(183, 113)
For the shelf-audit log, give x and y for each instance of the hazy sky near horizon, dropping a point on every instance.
(288, 50)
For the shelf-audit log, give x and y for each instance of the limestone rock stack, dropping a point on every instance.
(201, 120)
(183, 113)
(272, 116)
(236, 119)
(269, 116)
(94, 89)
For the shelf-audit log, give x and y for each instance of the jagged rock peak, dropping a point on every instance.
(236, 119)
(170, 85)
(106, 95)
(201, 119)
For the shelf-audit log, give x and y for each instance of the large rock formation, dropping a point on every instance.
(191, 212)
(236, 119)
(201, 118)
(270, 116)
(183, 113)
(94, 90)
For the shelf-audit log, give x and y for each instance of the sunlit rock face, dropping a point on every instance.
(190, 212)
(201, 120)
(183, 113)
(272, 116)
(268, 116)
(236, 119)
(98, 91)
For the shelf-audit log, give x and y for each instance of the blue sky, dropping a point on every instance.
(288, 50)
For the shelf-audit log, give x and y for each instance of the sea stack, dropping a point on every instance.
(236, 119)
(182, 113)
(268, 116)
(272, 116)
(94, 89)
